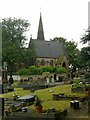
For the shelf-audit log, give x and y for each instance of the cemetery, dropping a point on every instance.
(48, 79)
(56, 100)
(46, 95)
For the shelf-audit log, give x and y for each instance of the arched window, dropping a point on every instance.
(38, 63)
(51, 63)
(64, 65)
(47, 61)
(42, 62)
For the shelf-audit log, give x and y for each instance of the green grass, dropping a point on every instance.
(46, 96)
(58, 105)
(18, 91)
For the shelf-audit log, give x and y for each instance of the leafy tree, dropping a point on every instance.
(13, 40)
(71, 50)
(85, 52)
(85, 56)
(86, 36)
(59, 39)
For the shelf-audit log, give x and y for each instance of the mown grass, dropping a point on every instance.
(19, 91)
(46, 96)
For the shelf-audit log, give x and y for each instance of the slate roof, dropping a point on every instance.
(48, 49)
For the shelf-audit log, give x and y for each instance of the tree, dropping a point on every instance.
(85, 56)
(85, 52)
(13, 39)
(86, 36)
(59, 39)
(71, 50)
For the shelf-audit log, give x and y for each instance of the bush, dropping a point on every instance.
(61, 70)
(45, 69)
(33, 70)
(23, 72)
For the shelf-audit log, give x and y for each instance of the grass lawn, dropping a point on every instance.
(46, 96)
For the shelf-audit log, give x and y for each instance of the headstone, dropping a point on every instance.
(74, 104)
(47, 80)
(52, 80)
(55, 76)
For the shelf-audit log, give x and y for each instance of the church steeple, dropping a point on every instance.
(40, 34)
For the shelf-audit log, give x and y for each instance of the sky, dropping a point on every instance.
(61, 18)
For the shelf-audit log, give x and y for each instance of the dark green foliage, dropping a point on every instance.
(72, 52)
(14, 43)
(37, 102)
(85, 52)
(86, 36)
(85, 56)
(13, 39)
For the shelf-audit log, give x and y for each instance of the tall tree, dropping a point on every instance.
(85, 52)
(86, 37)
(13, 39)
(71, 49)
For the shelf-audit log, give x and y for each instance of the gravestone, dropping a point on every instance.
(52, 79)
(48, 80)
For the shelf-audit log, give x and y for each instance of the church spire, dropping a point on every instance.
(40, 34)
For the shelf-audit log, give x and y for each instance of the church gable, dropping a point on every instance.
(48, 53)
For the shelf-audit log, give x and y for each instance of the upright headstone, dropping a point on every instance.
(55, 77)
(47, 80)
(52, 79)
(4, 73)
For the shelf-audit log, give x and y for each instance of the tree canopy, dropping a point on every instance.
(13, 41)
(85, 52)
(71, 50)
(86, 37)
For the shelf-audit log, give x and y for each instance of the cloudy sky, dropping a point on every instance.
(61, 18)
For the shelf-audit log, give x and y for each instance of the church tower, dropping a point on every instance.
(40, 34)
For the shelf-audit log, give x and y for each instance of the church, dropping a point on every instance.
(48, 53)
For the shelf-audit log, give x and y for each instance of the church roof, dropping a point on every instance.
(48, 49)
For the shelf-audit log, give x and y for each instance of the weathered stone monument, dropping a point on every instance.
(4, 73)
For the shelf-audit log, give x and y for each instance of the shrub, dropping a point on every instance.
(45, 69)
(23, 72)
(61, 70)
(37, 102)
(33, 70)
